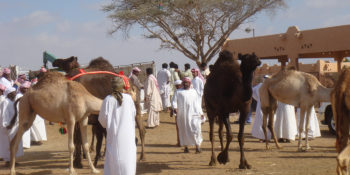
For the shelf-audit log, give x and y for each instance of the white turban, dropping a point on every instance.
(178, 82)
(9, 90)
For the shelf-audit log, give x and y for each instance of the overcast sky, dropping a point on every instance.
(79, 28)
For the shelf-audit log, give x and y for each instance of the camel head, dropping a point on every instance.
(249, 62)
(67, 64)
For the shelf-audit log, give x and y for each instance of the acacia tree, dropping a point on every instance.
(196, 28)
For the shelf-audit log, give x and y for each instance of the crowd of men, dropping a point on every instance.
(10, 91)
(176, 92)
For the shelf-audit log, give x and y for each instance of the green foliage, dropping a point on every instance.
(197, 28)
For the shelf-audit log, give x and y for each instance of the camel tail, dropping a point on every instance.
(13, 121)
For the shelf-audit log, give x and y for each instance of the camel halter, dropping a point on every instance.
(82, 72)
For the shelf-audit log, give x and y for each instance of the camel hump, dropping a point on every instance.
(100, 64)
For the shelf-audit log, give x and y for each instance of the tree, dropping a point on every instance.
(197, 28)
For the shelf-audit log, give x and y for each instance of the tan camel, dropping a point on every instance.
(340, 98)
(295, 88)
(58, 100)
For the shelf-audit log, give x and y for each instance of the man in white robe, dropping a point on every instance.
(153, 101)
(6, 79)
(314, 127)
(198, 84)
(117, 115)
(3, 131)
(189, 116)
(26, 135)
(163, 78)
(257, 130)
(7, 111)
(285, 124)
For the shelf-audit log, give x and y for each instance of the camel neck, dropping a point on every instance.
(324, 93)
(247, 79)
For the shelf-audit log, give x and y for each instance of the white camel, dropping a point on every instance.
(295, 88)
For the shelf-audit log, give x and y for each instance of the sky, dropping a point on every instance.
(79, 28)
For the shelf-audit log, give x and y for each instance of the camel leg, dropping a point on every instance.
(223, 156)
(307, 127)
(343, 160)
(83, 131)
(22, 127)
(265, 115)
(301, 125)
(211, 137)
(243, 161)
(99, 138)
(77, 142)
(142, 133)
(70, 131)
(93, 129)
(271, 128)
(221, 124)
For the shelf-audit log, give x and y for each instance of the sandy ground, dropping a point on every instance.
(163, 157)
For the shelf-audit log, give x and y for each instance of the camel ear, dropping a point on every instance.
(253, 54)
(76, 59)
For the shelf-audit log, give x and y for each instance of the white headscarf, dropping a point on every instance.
(9, 90)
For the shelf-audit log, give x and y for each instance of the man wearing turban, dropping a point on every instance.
(6, 78)
(189, 116)
(153, 101)
(6, 112)
(117, 115)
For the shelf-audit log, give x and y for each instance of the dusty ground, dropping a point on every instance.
(163, 157)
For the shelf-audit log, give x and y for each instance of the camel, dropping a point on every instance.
(295, 88)
(96, 84)
(58, 100)
(229, 89)
(340, 98)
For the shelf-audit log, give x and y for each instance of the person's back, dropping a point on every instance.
(119, 121)
(117, 115)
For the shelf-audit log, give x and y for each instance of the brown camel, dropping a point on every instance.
(340, 98)
(229, 89)
(96, 84)
(58, 100)
(295, 88)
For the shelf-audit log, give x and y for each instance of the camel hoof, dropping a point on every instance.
(77, 164)
(268, 147)
(300, 149)
(245, 165)
(142, 157)
(212, 162)
(13, 172)
(279, 147)
(95, 171)
(223, 157)
(72, 172)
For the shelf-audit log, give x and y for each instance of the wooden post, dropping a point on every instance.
(339, 61)
(283, 61)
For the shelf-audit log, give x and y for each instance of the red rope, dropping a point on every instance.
(82, 72)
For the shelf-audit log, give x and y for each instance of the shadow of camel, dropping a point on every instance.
(151, 167)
